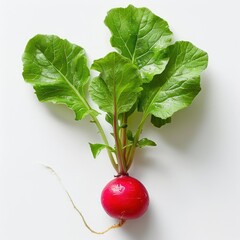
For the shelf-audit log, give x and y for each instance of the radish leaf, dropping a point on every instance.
(130, 136)
(144, 142)
(159, 122)
(140, 36)
(118, 85)
(58, 71)
(109, 118)
(176, 87)
(96, 148)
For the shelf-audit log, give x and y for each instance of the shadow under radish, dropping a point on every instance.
(138, 229)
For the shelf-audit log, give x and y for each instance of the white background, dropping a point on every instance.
(193, 176)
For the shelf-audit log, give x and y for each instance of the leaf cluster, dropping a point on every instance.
(147, 73)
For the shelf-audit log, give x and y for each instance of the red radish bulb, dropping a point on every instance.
(125, 198)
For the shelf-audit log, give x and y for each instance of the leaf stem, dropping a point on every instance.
(95, 120)
(135, 141)
(124, 134)
(121, 163)
(104, 138)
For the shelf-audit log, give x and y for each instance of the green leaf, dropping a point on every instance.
(141, 36)
(118, 85)
(144, 142)
(96, 148)
(159, 122)
(130, 135)
(109, 118)
(132, 110)
(58, 71)
(176, 87)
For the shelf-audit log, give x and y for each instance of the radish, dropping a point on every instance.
(125, 198)
(148, 74)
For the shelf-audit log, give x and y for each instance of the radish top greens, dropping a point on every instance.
(148, 74)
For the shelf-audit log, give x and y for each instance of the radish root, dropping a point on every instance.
(117, 225)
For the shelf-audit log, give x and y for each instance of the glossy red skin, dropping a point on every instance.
(125, 198)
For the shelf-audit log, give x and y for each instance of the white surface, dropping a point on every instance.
(193, 176)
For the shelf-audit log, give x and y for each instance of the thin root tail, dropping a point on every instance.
(117, 225)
